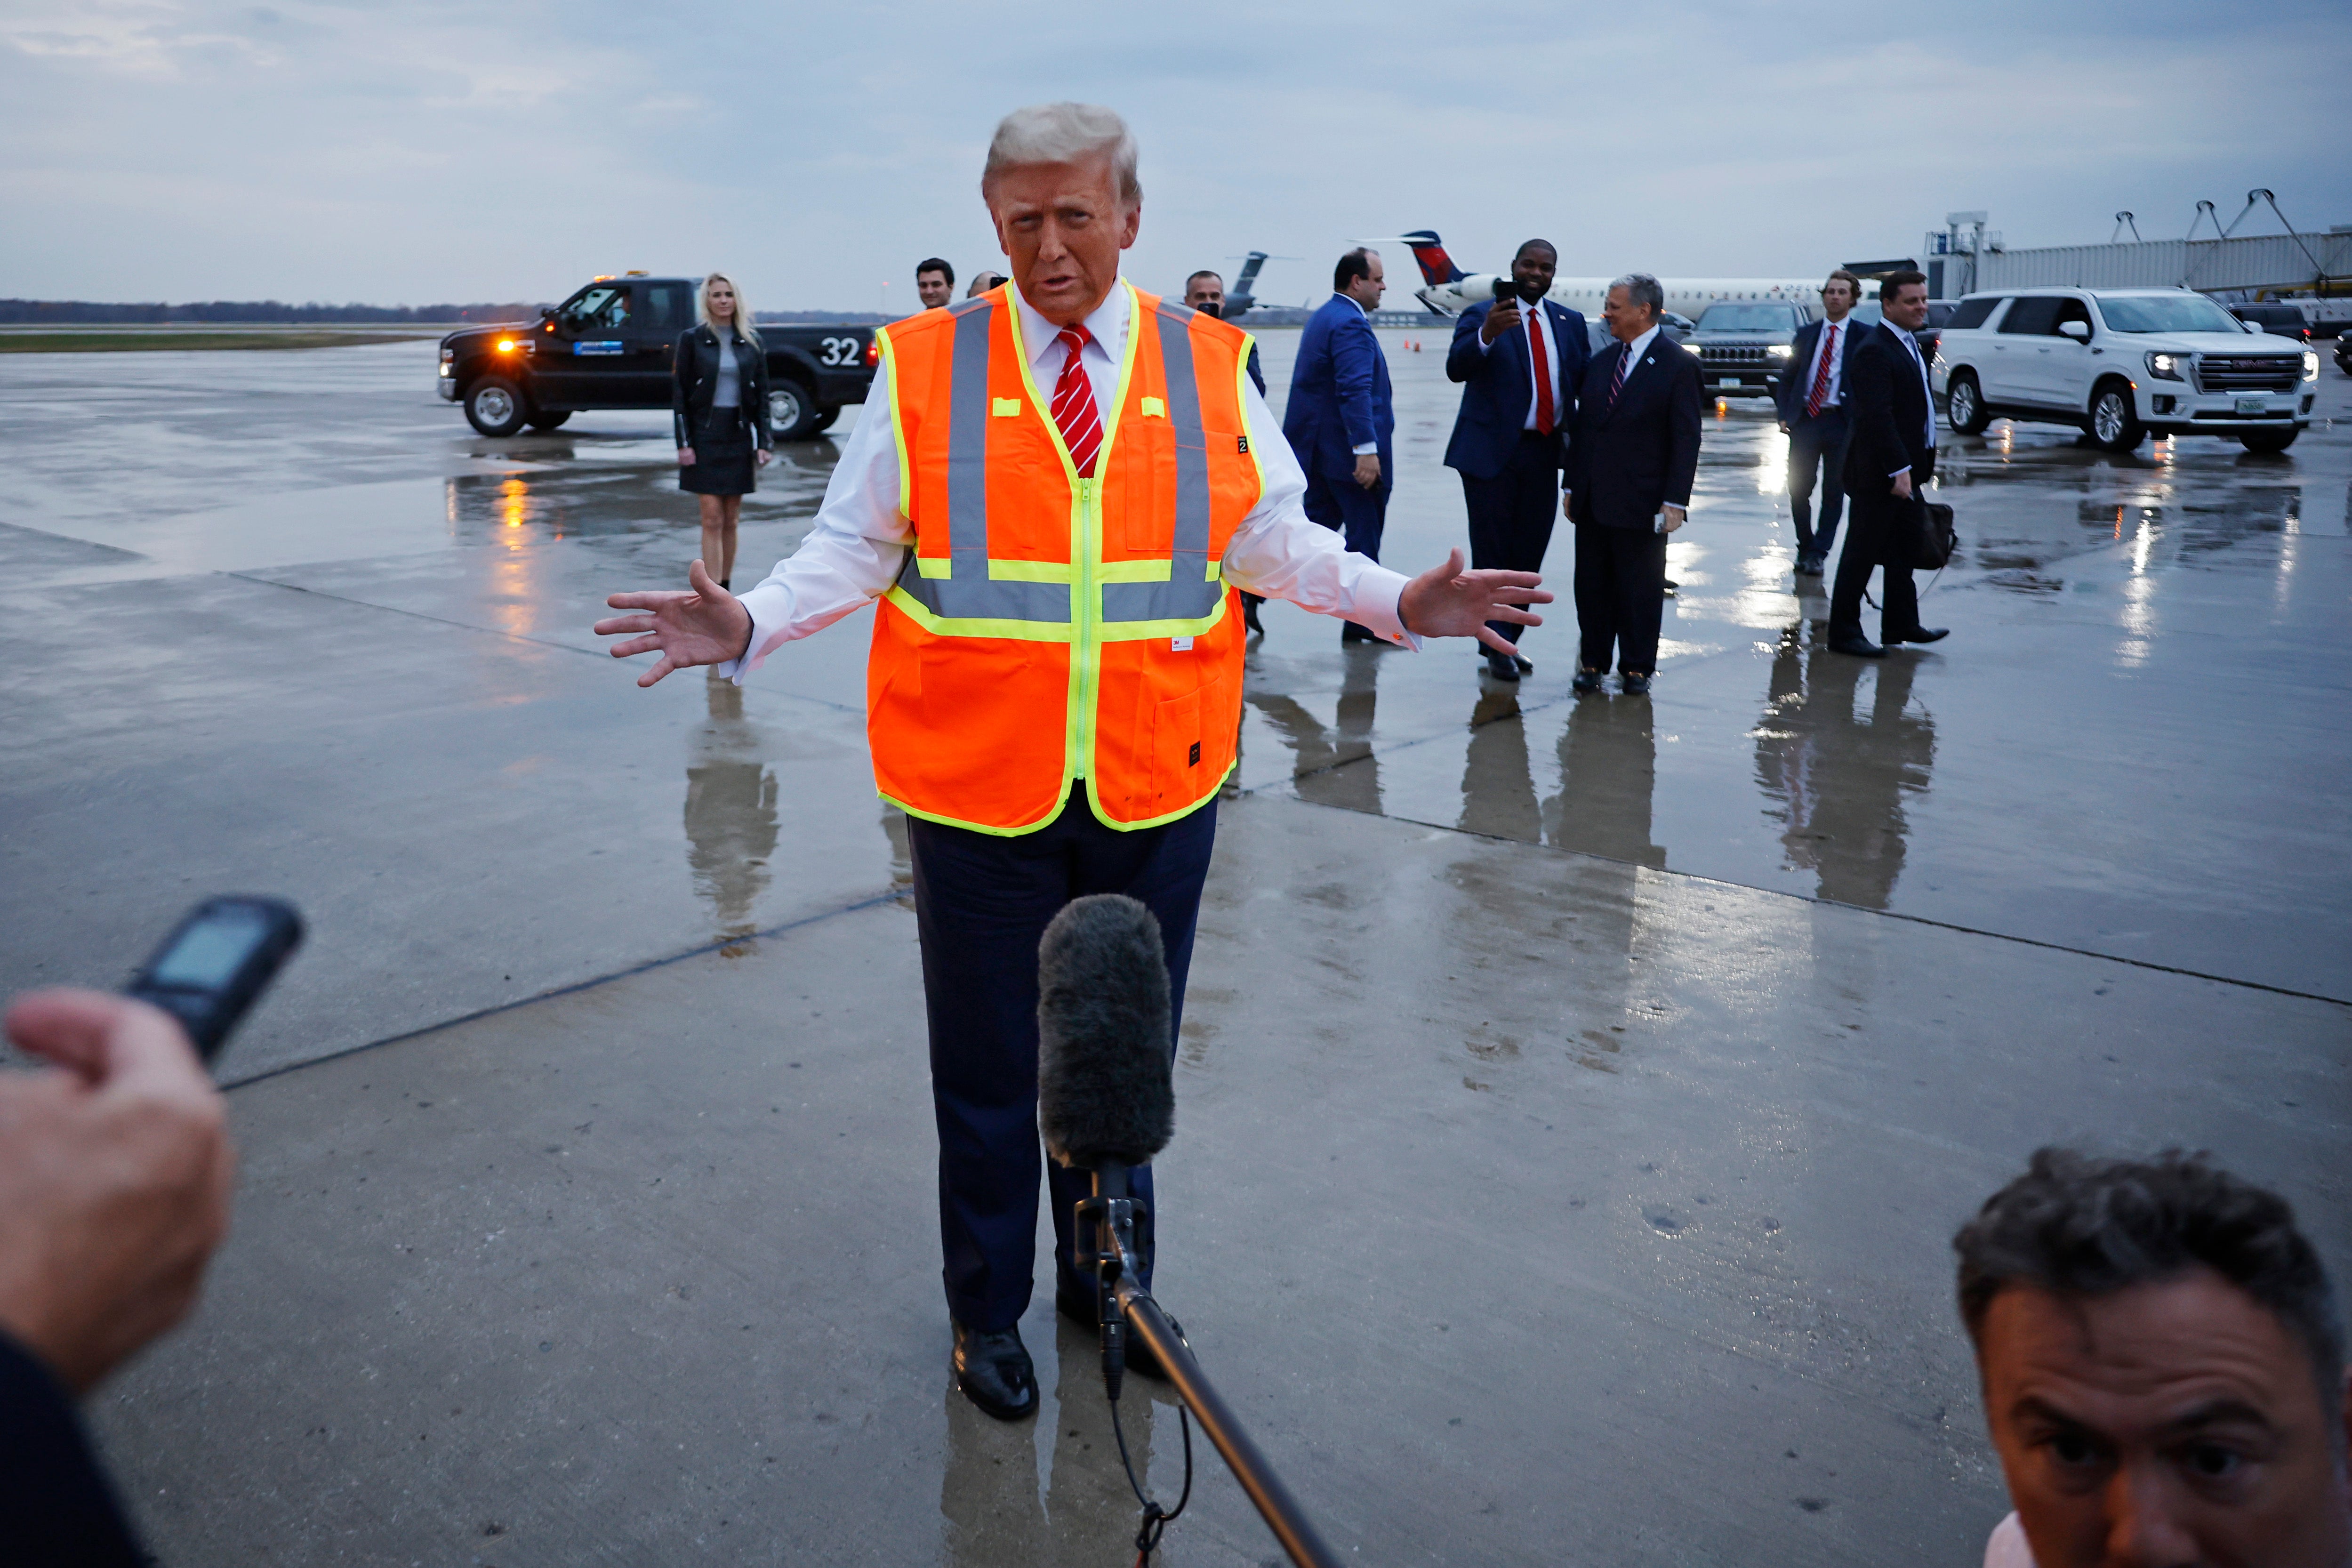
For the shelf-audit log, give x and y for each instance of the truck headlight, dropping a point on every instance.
(2165, 367)
(1780, 351)
(2310, 366)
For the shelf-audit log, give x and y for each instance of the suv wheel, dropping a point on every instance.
(496, 406)
(792, 412)
(825, 420)
(2113, 423)
(1966, 405)
(2268, 440)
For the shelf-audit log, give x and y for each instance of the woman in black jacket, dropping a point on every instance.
(718, 404)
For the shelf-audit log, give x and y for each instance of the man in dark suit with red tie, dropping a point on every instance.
(1632, 454)
(1889, 460)
(1811, 398)
(1519, 361)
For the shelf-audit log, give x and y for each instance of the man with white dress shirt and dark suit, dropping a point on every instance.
(1890, 458)
(1811, 399)
(1520, 361)
(1340, 420)
(1054, 690)
(1632, 455)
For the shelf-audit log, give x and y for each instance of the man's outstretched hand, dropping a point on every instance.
(705, 625)
(1448, 601)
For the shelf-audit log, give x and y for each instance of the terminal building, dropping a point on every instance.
(2314, 269)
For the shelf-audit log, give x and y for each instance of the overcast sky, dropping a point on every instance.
(405, 153)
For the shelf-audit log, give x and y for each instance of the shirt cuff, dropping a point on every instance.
(1900, 472)
(1380, 604)
(771, 605)
(1369, 449)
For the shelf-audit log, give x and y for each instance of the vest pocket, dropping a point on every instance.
(1187, 759)
(1176, 759)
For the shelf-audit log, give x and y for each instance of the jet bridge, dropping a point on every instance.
(1967, 256)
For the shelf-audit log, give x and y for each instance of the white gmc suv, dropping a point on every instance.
(2121, 364)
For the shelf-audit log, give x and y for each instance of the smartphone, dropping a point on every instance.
(1506, 288)
(216, 964)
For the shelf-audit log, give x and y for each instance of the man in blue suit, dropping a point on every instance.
(1813, 400)
(1520, 361)
(1339, 421)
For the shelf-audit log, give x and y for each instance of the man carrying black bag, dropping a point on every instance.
(1889, 460)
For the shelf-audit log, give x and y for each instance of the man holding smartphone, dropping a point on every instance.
(115, 1173)
(1520, 361)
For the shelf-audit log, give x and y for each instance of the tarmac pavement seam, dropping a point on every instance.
(1832, 903)
(704, 949)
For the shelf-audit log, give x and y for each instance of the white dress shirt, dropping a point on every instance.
(1822, 346)
(1537, 320)
(1369, 448)
(2008, 1547)
(1635, 350)
(1925, 386)
(855, 551)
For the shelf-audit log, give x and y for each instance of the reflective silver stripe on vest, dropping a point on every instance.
(971, 596)
(967, 594)
(967, 449)
(1188, 594)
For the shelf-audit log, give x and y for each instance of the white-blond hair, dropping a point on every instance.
(743, 328)
(1063, 133)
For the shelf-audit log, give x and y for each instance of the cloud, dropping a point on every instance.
(406, 151)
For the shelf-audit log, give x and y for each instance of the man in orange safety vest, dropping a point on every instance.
(1054, 497)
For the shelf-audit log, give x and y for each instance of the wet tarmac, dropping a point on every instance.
(1576, 1096)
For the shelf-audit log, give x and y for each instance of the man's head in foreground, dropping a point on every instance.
(2162, 1366)
(1062, 190)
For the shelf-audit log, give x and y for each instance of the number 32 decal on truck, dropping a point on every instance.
(839, 351)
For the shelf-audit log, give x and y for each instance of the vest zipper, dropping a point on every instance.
(1081, 763)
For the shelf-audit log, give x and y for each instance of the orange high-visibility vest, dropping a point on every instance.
(1044, 628)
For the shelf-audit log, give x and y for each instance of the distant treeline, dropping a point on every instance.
(83, 312)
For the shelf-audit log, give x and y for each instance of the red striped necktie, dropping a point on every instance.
(1617, 381)
(1820, 393)
(1074, 405)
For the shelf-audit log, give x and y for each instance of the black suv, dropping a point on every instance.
(609, 346)
(1743, 345)
(2276, 317)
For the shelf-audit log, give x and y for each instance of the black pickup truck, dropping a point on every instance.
(609, 346)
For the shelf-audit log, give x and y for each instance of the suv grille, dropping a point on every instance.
(2247, 373)
(1734, 354)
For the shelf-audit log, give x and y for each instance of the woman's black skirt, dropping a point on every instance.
(722, 462)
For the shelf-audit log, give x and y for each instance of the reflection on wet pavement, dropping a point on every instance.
(730, 818)
(1838, 780)
(2078, 569)
(1334, 765)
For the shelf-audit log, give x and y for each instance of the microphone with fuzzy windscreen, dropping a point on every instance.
(1106, 1092)
(1107, 1103)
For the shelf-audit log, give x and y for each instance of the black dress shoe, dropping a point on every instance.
(1351, 633)
(994, 1372)
(1586, 681)
(1637, 685)
(1808, 566)
(1501, 668)
(1526, 666)
(1858, 646)
(1079, 1306)
(1919, 634)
